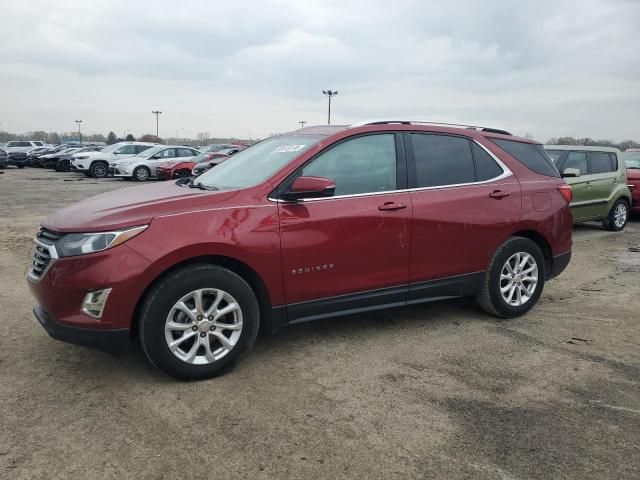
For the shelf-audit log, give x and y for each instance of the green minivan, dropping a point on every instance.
(598, 178)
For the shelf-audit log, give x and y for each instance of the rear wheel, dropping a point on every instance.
(618, 216)
(514, 280)
(99, 170)
(141, 174)
(199, 322)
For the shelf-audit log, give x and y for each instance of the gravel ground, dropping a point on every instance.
(436, 391)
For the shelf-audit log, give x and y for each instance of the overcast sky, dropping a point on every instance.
(547, 68)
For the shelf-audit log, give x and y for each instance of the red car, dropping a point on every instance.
(178, 169)
(321, 222)
(632, 162)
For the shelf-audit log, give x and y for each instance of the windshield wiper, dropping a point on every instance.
(189, 182)
(200, 186)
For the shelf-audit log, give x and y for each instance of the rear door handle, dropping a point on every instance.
(498, 194)
(391, 206)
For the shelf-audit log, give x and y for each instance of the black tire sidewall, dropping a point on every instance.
(513, 246)
(92, 170)
(168, 292)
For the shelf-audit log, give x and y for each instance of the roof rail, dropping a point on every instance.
(440, 124)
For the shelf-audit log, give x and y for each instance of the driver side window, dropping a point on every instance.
(362, 165)
(576, 160)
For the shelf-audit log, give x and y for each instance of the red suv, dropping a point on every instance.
(321, 222)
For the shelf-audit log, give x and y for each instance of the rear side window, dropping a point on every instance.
(486, 166)
(141, 148)
(614, 161)
(127, 150)
(442, 160)
(531, 155)
(599, 162)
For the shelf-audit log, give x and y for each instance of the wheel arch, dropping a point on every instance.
(269, 320)
(542, 243)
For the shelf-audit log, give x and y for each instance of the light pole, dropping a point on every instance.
(177, 133)
(157, 114)
(79, 132)
(302, 123)
(329, 94)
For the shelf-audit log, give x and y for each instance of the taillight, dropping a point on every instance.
(566, 192)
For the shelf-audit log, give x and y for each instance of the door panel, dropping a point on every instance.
(456, 230)
(344, 245)
(458, 220)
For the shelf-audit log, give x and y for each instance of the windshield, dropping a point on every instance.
(632, 159)
(258, 162)
(111, 148)
(151, 151)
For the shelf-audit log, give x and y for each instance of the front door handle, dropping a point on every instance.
(391, 206)
(587, 185)
(498, 194)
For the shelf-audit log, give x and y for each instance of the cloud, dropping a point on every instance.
(547, 68)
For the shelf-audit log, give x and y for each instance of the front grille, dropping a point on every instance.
(43, 253)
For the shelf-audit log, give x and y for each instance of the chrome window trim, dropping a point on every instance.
(506, 173)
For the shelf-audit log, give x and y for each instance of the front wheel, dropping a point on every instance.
(514, 280)
(618, 216)
(141, 174)
(99, 170)
(199, 322)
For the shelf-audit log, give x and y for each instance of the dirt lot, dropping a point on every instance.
(436, 391)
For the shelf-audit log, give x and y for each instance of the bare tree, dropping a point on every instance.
(203, 137)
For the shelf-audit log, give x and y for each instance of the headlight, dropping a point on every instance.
(74, 244)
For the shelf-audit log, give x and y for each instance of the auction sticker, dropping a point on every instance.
(289, 148)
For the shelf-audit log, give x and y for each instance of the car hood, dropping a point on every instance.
(131, 206)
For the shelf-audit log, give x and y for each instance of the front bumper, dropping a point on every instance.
(17, 160)
(114, 341)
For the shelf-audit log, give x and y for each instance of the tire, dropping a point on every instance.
(490, 297)
(160, 306)
(618, 216)
(20, 166)
(99, 170)
(141, 174)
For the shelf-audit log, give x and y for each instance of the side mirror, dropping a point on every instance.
(156, 156)
(571, 172)
(310, 187)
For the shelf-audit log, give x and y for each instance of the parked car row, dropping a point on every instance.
(139, 161)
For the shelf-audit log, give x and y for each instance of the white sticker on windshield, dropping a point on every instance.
(289, 148)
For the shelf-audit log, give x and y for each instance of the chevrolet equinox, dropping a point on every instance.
(317, 223)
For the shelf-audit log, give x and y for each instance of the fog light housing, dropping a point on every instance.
(94, 303)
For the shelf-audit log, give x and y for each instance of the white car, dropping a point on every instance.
(21, 146)
(143, 166)
(96, 164)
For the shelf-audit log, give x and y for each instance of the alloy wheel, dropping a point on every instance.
(203, 326)
(142, 175)
(620, 215)
(518, 279)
